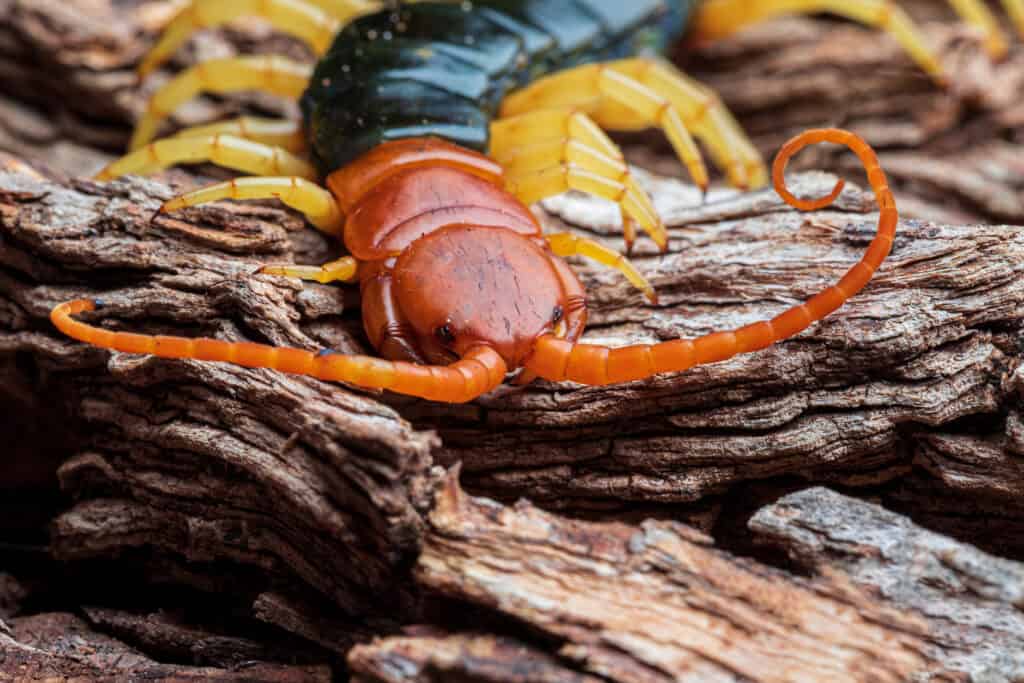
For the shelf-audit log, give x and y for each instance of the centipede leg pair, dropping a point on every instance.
(719, 18)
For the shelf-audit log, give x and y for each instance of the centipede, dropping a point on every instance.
(428, 129)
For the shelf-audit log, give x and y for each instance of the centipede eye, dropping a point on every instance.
(558, 315)
(445, 334)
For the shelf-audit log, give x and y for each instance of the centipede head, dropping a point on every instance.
(464, 286)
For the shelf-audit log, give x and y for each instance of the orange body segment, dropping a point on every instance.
(556, 359)
(418, 201)
(351, 183)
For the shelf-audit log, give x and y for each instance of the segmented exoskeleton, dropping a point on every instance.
(433, 126)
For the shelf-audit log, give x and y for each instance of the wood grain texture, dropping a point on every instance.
(884, 600)
(61, 647)
(970, 600)
(279, 455)
(307, 512)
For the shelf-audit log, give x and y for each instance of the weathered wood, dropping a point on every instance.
(649, 603)
(60, 647)
(655, 602)
(304, 478)
(970, 600)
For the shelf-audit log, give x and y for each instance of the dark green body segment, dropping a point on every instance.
(442, 69)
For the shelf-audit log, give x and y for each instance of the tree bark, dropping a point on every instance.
(286, 520)
(656, 602)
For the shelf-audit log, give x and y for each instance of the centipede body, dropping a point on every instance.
(436, 69)
(431, 126)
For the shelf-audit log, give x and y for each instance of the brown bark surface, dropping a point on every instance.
(283, 520)
(887, 600)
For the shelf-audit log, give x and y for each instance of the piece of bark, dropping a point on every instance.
(984, 473)
(304, 477)
(650, 603)
(655, 602)
(463, 657)
(171, 637)
(58, 646)
(971, 601)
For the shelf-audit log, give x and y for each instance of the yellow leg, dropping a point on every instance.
(587, 87)
(977, 14)
(533, 142)
(313, 201)
(224, 150)
(340, 270)
(532, 186)
(720, 18)
(1015, 8)
(298, 18)
(346, 10)
(270, 73)
(704, 114)
(566, 244)
(272, 132)
(637, 93)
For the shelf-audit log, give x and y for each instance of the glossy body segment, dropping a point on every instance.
(270, 73)
(416, 202)
(465, 285)
(557, 359)
(479, 371)
(352, 182)
(445, 68)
